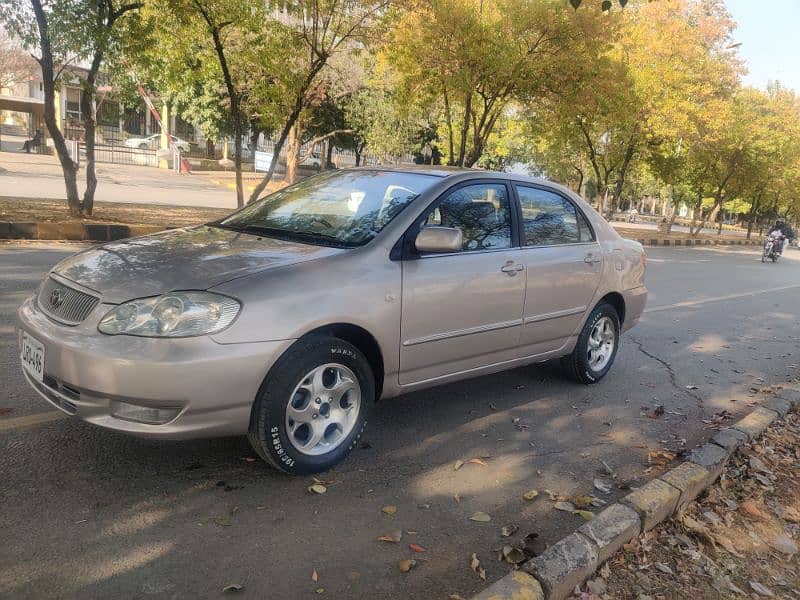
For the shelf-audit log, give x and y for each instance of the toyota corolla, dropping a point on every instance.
(289, 319)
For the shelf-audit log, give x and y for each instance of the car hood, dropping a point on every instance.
(195, 258)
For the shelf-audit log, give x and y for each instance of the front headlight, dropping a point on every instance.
(179, 314)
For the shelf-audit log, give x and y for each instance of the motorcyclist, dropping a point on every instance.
(781, 231)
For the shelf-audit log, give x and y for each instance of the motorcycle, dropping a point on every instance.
(772, 249)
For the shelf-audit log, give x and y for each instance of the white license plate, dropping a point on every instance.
(32, 356)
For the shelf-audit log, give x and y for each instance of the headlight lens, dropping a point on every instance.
(179, 314)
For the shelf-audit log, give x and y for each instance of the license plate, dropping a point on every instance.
(32, 356)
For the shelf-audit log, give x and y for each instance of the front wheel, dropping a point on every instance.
(313, 406)
(596, 348)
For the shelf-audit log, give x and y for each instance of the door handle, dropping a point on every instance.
(591, 259)
(512, 268)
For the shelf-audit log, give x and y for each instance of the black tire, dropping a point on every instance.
(576, 365)
(268, 432)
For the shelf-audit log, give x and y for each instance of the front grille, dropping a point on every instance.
(64, 303)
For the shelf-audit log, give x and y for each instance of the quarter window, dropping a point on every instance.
(480, 211)
(549, 219)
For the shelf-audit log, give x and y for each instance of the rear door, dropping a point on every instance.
(563, 261)
(463, 310)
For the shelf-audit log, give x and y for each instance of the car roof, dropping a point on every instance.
(448, 171)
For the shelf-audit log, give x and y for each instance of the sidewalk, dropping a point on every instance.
(39, 176)
(740, 540)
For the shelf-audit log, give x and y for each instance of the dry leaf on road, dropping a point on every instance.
(406, 565)
(481, 517)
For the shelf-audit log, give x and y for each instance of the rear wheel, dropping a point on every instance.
(313, 406)
(596, 348)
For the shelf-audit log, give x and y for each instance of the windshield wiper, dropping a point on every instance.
(288, 234)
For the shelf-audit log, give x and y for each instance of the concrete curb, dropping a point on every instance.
(79, 232)
(692, 242)
(569, 562)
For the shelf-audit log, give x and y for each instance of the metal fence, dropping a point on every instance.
(121, 155)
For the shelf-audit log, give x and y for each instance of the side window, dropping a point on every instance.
(550, 219)
(481, 211)
(586, 230)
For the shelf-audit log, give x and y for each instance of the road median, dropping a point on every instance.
(568, 563)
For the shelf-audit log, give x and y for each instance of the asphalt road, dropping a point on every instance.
(87, 513)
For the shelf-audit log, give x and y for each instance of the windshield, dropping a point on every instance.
(346, 208)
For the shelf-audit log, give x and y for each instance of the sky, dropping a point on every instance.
(769, 31)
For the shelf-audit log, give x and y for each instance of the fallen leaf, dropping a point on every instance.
(457, 497)
(602, 486)
(416, 548)
(663, 568)
(655, 412)
(406, 565)
(691, 387)
(458, 465)
(565, 506)
(727, 544)
(509, 530)
(389, 510)
(317, 488)
(474, 563)
(530, 494)
(581, 500)
(476, 461)
(758, 465)
(481, 517)
(751, 510)
(232, 588)
(584, 514)
(314, 576)
(783, 544)
(761, 590)
(320, 590)
(512, 555)
(393, 537)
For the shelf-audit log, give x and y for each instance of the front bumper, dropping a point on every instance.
(211, 385)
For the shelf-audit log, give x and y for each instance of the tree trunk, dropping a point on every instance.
(237, 162)
(68, 167)
(292, 153)
(615, 198)
(276, 151)
(329, 155)
(89, 114)
(359, 150)
(462, 147)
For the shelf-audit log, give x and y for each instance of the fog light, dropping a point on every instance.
(143, 414)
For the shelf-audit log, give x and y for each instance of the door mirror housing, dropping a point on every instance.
(439, 239)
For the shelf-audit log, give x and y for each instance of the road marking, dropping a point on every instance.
(30, 420)
(690, 303)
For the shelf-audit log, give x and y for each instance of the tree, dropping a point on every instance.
(316, 31)
(472, 58)
(64, 31)
(16, 65)
(93, 29)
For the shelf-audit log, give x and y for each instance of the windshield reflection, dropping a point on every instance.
(346, 208)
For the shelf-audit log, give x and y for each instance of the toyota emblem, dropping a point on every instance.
(56, 298)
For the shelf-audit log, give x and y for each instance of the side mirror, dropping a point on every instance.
(439, 239)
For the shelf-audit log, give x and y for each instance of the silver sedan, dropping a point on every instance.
(289, 319)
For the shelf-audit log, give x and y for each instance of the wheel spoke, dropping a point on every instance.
(316, 407)
(299, 416)
(317, 433)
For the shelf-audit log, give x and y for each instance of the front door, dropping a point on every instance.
(564, 263)
(463, 310)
